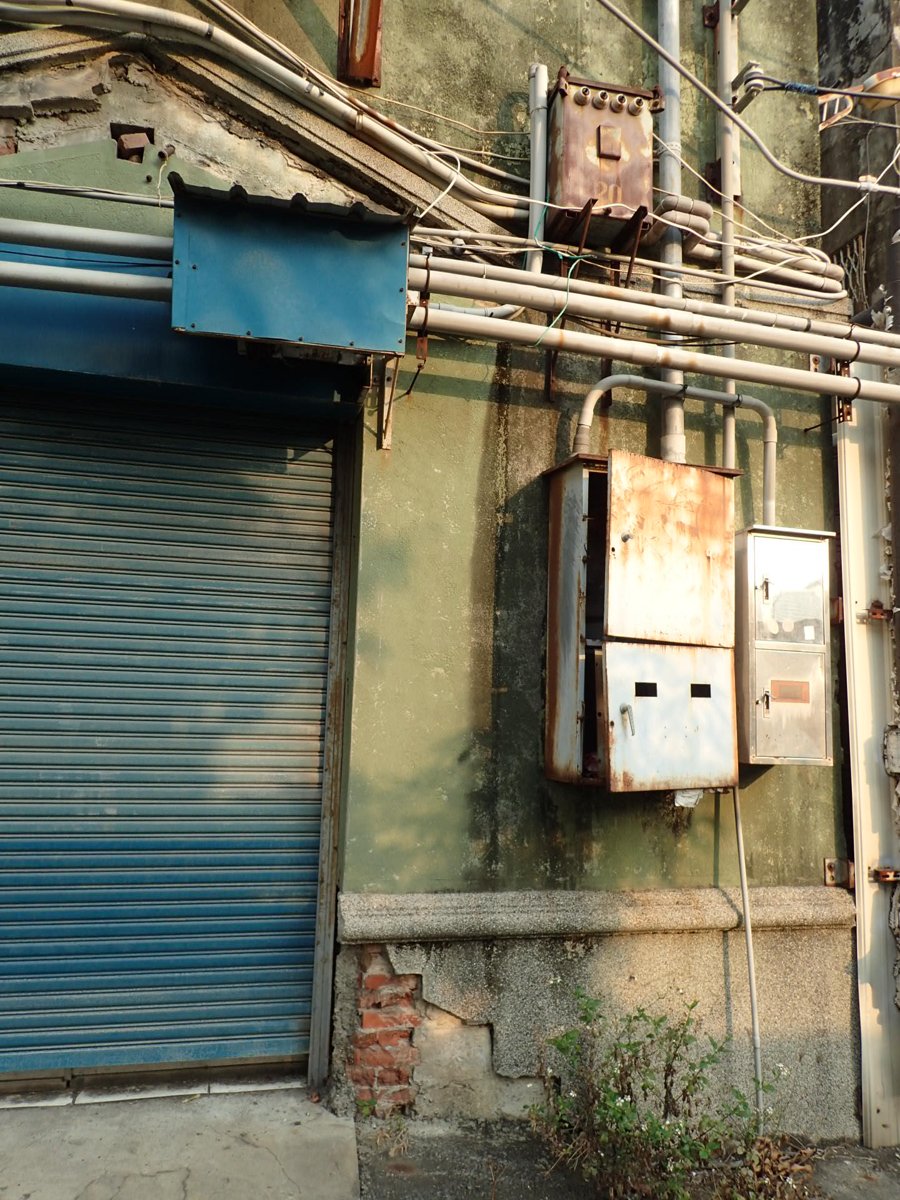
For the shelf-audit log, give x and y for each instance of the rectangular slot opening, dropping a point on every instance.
(645, 689)
(701, 691)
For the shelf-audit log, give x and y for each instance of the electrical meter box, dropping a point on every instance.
(640, 639)
(782, 665)
(601, 152)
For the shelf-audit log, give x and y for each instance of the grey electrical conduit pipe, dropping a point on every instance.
(120, 15)
(93, 241)
(646, 354)
(639, 383)
(104, 283)
(402, 145)
(751, 325)
(85, 282)
(546, 299)
(743, 316)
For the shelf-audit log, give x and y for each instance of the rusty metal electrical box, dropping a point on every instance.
(783, 665)
(640, 640)
(600, 169)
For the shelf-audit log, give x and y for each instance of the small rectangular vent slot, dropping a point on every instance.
(644, 689)
(701, 691)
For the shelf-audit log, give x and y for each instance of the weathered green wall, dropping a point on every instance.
(444, 787)
(445, 782)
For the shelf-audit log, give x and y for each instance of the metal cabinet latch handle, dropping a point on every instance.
(627, 711)
(766, 702)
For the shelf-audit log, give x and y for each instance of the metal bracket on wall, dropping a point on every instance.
(884, 874)
(386, 382)
(840, 872)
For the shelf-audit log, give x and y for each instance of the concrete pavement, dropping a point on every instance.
(258, 1145)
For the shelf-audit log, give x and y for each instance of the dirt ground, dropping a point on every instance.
(418, 1160)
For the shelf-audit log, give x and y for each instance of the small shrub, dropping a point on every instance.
(628, 1107)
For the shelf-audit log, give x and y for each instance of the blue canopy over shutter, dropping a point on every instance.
(163, 651)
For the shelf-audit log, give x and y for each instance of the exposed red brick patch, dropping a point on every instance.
(383, 1057)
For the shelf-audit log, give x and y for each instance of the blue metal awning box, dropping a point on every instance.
(288, 271)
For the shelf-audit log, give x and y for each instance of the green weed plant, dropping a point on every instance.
(628, 1104)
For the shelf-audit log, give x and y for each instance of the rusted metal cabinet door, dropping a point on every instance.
(670, 563)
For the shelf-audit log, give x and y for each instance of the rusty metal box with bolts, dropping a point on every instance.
(600, 152)
(782, 660)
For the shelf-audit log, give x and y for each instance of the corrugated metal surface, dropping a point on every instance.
(163, 651)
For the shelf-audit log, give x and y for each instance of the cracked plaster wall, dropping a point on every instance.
(523, 991)
(57, 111)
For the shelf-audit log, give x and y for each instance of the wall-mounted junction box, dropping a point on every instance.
(782, 664)
(601, 150)
(640, 659)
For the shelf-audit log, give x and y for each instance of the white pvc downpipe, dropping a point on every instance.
(538, 84)
(726, 69)
(672, 442)
(729, 400)
(540, 294)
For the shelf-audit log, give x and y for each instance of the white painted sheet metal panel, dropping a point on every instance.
(670, 716)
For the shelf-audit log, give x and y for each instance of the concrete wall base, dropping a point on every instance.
(516, 991)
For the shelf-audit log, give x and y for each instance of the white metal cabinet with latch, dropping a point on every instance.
(782, 654)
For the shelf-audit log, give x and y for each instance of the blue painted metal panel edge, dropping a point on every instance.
(78, 343)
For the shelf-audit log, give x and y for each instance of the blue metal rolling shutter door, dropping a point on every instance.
(163, 648)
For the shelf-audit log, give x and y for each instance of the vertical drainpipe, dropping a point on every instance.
(537, 102)
(727, 135)
(726, 58)
(672, 445)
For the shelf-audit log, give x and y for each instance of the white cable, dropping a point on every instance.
(427, 209)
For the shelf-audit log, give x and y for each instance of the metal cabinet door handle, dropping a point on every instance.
(627, 711)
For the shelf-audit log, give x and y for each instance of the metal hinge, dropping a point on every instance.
(884, 874)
